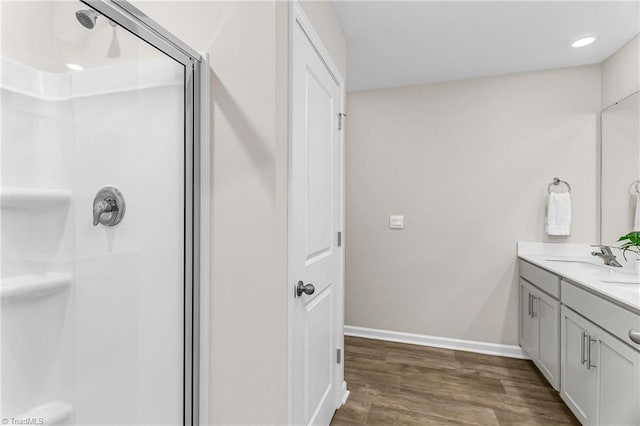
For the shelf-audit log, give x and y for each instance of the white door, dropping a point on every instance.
(314, 220)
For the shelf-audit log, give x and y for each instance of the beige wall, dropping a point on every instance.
(248, 370)
(621, 73)
(325, 22)
(31, 44)
(53, 37)
(467, 163)
(248, 44)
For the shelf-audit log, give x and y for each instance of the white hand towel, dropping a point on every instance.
(559, 214)
(636, 218)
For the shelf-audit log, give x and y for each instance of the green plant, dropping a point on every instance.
(630, 242)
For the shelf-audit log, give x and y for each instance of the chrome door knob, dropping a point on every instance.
(634, 335)
(108, 207)
(307, 289)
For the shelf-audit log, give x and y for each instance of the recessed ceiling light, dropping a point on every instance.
(75, 67)
(584, 41)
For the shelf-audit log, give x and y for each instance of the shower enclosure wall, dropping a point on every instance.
(97, 321)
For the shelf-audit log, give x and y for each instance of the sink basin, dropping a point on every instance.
(585, 261)
(620, 277)
(567, 260)
(604, 273)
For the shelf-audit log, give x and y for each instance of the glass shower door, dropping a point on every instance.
(96, 218)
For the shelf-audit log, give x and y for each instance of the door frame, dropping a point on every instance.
(196, 206)
(297, 17)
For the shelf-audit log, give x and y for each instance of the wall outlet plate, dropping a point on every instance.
(396, 221)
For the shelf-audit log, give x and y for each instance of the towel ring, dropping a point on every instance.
(557, 181)
(635, 186)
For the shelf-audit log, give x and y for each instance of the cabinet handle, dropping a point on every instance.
(589, 365)
(634, 335)
(533, 306)
(583, 358)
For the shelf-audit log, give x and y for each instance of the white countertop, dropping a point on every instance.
(575, 263)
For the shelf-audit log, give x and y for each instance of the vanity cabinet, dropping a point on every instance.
(540, 326)
(600, 374)
(584, 344)
(600, 362)
(584, 336)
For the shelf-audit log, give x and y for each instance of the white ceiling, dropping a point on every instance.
(398, 43)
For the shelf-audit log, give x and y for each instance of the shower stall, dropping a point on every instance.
(99, 221)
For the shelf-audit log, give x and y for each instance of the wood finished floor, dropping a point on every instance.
(399, 384)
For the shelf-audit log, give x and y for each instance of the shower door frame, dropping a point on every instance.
(132, 19)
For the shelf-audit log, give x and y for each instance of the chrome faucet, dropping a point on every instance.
(607, 256)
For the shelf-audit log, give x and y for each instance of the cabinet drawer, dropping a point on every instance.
(613, 318)
(544, 280)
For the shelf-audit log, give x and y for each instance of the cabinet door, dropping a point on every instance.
(618, 392)
(547, 312)
(579, 384)
(528, 324)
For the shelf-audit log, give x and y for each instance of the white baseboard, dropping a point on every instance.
(345, 394)
(437, 342)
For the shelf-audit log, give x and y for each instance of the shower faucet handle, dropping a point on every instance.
(104, 206)
(108, 207)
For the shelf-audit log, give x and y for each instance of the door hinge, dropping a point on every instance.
(341, 116)
(339, 356)
(340, 239)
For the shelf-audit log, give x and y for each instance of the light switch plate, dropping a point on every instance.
(396, 221)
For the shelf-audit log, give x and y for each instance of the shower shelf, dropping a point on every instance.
(29, 198)
(51, 412)
(27, 286)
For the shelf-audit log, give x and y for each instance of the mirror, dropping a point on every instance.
(620, 170)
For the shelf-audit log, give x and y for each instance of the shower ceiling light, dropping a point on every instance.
(584, 41)
(75, 67)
